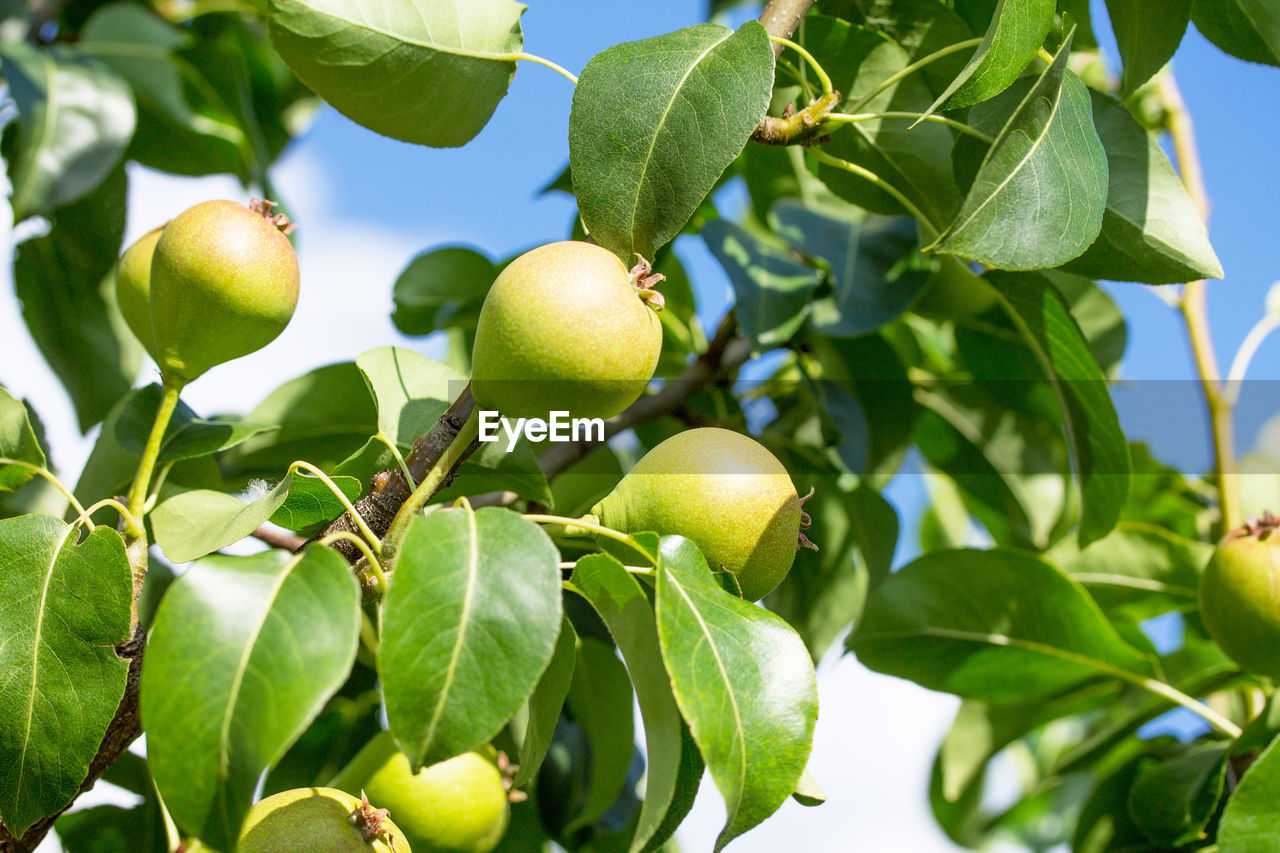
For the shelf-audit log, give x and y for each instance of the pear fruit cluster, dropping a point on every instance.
(566, 327)
(218, 282)
(1240, 595)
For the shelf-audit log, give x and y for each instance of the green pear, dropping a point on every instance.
(456, 806)
(323, 820)
(723, 491)
(133, 289)
(566, 327)
(1240, 596)
(224, 283)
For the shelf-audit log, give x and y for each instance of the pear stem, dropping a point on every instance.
(171, 389)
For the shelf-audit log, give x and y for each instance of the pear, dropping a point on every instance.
(133, 289)
(723, 491)
(566, 327)
(1240, 596)
(324, 820)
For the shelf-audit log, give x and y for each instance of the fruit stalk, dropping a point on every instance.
(171, 389)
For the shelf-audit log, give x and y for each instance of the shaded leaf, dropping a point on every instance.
(18, 442)
(1017, 31)
(1173, 800)
(66, 607)
(429, 73)
(654, 124)
(546, 704)
(410, 391)
(1148, 33)
(244, 654)
(310, 504)
(188, 435)
(442, 289)
(468, 628)
(1246, 29)
(600, 701)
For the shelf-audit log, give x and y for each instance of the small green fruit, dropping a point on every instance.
(1240, 596)
(459, 805)
(319, 820)
(726, 493)
(133, 288)
(565, 327)
(224, 283)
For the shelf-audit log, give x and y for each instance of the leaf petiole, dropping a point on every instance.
(824, 80)
(911, 69)
(568, 75)
(880, 183)
(595, 527)
(342, 498)
(170, 391)
(52, 478)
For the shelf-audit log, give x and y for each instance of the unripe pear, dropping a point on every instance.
(224, 283)
(1240, 596)
(723, 491)
(133, 289)
(566, 327)
(324, 820)
(459, 805)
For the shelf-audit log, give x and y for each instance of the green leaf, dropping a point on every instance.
(921, 27)
(244, 654)
(742, 680)
(112, 829)
(625, 609)
(917, 161)
(188, 435)
(999, 626)
(184, 125)
(18, 442)
(410, 391)
(431, 73)
(442, 289)
(66, 606)
(1151, 230)
(75, 117)
(195, 523)
(68, 303)
(1046, 161)
(654, 123)
(1098, 316)
(492, 469)
(1148, 33)
(1246, 29)
(1173, 800)
(771, 288)
(310, 504)
(875, 268)
(1017, 31)
(1249, 823)
(600, 702)
(545, 705)
(1099, 450)
(468, 628)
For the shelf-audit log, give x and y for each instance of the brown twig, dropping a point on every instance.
(781, 17)
(801, 128)
(277, 538)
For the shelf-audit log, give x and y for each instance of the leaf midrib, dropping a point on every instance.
(451, 671)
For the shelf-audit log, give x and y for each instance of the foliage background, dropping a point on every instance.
(367, 204)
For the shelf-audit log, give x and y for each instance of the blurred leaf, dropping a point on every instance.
(742, 680)
(62, 281)
(18, 442)
(188, 435)
(771, 288)
(67, 604)
(1148, 33)
(545, 705)
(1100, 319)
(75, 117)
(999, 626)
(1151, 231)
(431, 74)
(442, 289)
(1047, 156)
(1163, 497)
(112, 829)
(1105, 825)
(921, 27)
(244, 654)
(1017, 31)
(875, 267)
(1246, 29)
(654, 124)
(601, 701)
(468, 628)
(1173, 800)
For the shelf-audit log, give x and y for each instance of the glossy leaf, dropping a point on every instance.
(67, 303)
(425, 72)
(771, 288)
(1151, 230)
(742, 680)
(1173, 800)
(1249, 823)
(1017, 31)
(18, 442)
(625, 609)
(442, 289)
(468, 627)
(546, 704)
(1099, 450)
(1246, 29)
(188, 435)
(999, 626)
(244, 653)
(1147, 34)
(66, 608)
(75, 117)
(311, 504)
(921, 27)
(655, 122)
(875, 269)
(1047, 157)
(601, 701)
